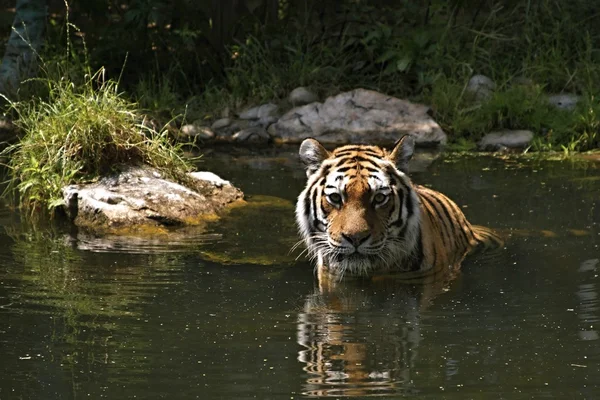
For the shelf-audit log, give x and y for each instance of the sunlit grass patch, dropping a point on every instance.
(76, 133)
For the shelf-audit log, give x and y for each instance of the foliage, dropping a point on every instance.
(200, 57)
(77, 133)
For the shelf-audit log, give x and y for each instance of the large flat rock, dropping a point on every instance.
(141, 199)
(359, 116)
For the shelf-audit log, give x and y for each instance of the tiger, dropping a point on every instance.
(360, 215)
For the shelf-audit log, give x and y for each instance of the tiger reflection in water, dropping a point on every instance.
(370, 230)
(361, 339)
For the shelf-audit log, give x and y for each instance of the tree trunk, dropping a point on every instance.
(26, 38)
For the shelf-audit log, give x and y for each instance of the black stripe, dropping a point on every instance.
(409, 203)
(358, 148)
(342, 161)
(416, 264)
(433, 219)
(344, 169)
(307, 208)
(357, 158)
(398, 222)
(349, 148)
(465, 225)
(313, 198)
(447, 222)
(358, 152)
(323, 211)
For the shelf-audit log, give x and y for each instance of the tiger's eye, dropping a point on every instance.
(380, 198)
(334, 198)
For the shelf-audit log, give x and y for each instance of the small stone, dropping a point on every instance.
(481, 87)
(252, 134)
(511, 139)
(220, 123)
(564, 101)
(301, 96)
(193, 131)
(204, 132)
(188, 130)
(250, 113)
(267, 110)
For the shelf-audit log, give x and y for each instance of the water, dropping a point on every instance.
(228, 313)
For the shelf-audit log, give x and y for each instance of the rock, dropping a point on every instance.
(267, 110)
(301, 96)
(237, 125)
(262, 111)
(481, 87)
(252, 134)
(564, 101)
(359, 116)
(250, 113)
(192, 132)
(220, 123)
(210, 177)
(264, 122)
(506, 139)
(138, 198)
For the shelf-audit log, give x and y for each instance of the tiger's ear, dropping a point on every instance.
(402, 153)
(312, 154)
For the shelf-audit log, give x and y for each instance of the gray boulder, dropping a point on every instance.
(250, 113)
(255, 134)
(225, 133)
(262, 111)
(506, 139)
(301, 96)
(264, 122)
(142, 200)
(359, 116)
(267, 110)
(481, 87)
(220, 123)
(564, 101)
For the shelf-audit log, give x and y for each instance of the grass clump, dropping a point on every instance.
(77, 132)
(515, 106)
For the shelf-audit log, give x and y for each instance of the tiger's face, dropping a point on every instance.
(358, 213)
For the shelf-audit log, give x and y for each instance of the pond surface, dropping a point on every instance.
(228, 313)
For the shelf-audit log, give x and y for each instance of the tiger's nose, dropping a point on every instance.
(357, 238)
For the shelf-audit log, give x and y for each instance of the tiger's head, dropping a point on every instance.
(359, 213)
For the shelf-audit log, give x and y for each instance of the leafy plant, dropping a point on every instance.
(76, 134)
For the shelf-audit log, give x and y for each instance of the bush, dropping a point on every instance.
(77, 133)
